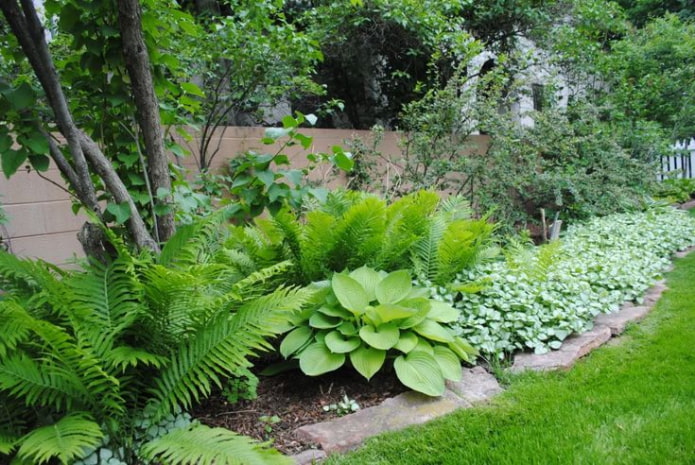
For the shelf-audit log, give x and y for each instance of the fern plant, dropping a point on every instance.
(434, 238)
(97, 360)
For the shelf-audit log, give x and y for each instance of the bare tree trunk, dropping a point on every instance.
(138, 65)
(27, 27)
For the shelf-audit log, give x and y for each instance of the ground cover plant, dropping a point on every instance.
(537, 297)
(628, 403)
(99, 363)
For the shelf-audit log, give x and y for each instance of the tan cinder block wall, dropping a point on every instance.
(41, 222)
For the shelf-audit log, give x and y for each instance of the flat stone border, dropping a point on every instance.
(475, 386)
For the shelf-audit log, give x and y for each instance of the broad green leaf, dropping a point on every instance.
(266, 177)
(350, 293)
(339, 344)
(192, 89)
(121, 211)
(22, 97)
(419, 371)
(40, 162)
(394, 287)
(434, 331)
(321, 321)
(389, 312)
(448, 362)
(367, 360)
(442, 312)
(423, 346)
(12, 160)
(37, 144)
(275, 133)
(423, 309)
(295, 340)
(316, 360)
(407, 342)
(335, 312)
(463, 349)
(347, 328)
(368, 279)
(383, 337)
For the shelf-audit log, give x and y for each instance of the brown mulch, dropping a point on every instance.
(297, 400)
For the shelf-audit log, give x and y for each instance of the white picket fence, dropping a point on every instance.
(681, 164)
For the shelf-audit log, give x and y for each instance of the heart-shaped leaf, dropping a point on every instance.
(295, 340)
(350, 293)
(463, 349)
(388, 312)
(407, 342)
(335, 312)
(321, 321)
(367, 360)
(382, 337)
(339, 344)
(316, 360)
(368, 279)
(442, 312)
(420, 372)
(347, 328)
(448, 362)
(394, 287)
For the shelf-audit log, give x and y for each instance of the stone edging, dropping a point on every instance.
(476, 385)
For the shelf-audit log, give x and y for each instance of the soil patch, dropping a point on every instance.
(296, 400)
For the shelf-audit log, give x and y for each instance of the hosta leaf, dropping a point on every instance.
(388, 312)
(394, 287)
(382, 337)
(350, 293)
(347, 328)
(463, 349)
(339, 344)
(321, 321)
(434, 331)
(335, 311)
(420, 372)
(423, 346)
(295, 340)
(442, 312)
(422, 307)
(316, 360)
(368, 279)
(407, 342)
(367, 360)
(448, 362)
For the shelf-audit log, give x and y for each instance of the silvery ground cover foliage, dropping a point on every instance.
(533, 298)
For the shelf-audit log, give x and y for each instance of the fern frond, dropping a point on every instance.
(65, 440)
(318, 242)
(456, 207)
(13, 325)
(221, 348)
(13, 418)
(289, 227)
(202, 445)
(425, 251)
(359, 235)
(193, 243)
(460, 246)
(24, 277)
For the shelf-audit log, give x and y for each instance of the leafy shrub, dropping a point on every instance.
(538, 297)
(101, 361)
(434, 238)
(367, 316)
(678, 190)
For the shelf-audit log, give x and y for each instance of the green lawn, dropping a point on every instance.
(628, 403)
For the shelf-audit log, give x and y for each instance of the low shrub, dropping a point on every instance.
(537, 297)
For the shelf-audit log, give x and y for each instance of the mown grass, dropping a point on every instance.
(632, 402)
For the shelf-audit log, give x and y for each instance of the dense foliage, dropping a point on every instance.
(100, 362)
(537, 297)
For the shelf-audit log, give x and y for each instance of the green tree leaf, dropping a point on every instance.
(350, 293)
(420, 371)
(316, 360)
(367, 360)
(295, 340)
(121, 211)
(394, 287)
(339, 344)
(382, 337)
(22, 97)
(12, 160)
(40, 162)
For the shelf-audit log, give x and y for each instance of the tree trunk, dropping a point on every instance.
(138, 66)
(29, 31)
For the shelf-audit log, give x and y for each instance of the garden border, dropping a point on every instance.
(476, 385)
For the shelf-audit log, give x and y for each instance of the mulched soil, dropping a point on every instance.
(297, 400)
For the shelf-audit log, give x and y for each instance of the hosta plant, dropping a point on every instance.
(368, 317)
